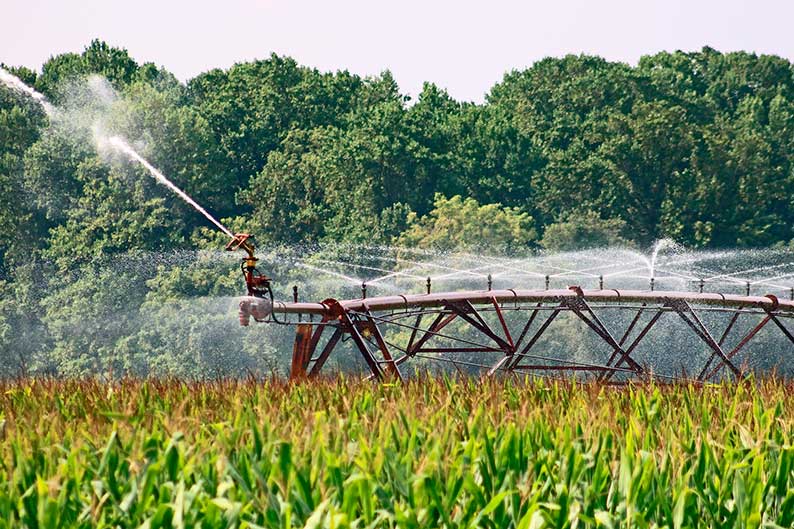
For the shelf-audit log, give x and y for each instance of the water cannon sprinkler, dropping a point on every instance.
(259, 303)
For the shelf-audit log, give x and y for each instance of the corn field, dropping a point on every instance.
(429, 453)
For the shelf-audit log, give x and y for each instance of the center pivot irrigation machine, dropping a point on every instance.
(497, 332)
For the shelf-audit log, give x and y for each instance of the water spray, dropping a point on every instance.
(122, 146)
(15, 83)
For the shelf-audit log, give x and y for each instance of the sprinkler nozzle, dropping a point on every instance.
(240, 242)
(258, 284)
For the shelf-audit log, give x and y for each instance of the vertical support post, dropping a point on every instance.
(301, 351)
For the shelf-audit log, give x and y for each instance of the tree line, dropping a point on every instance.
(571, 152)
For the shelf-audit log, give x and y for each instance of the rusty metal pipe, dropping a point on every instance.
(481, 297)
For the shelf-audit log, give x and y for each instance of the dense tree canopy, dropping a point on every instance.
(571, 152)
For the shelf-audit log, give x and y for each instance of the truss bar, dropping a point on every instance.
(598, 306)
(720, 342)
(415, 330)
(440, 322)
(362, 346)
(534, 338)
(428, 333)
(384, 349)
(479, 324)
(633, 345)
(782, 328)
(600, 329)
(631, 326)
(704, 334)
(728, 329)
(460, 350)
(736, 349)
(320, 361)
(528, 325)
(451, 361)
(504, 325)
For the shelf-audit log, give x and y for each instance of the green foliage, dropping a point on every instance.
(432, 453)
(98, 58)
(582, 230)
(458, 224)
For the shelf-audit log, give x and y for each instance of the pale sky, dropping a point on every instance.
(463, 46)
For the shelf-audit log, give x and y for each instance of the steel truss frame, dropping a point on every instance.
(366, 322)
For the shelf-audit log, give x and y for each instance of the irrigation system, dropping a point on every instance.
(501, 332)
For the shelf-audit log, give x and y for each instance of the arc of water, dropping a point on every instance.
(776, 278)
(122, 146)
(780, 287)
(748, 271)
(396, 274)
(365, 267)
(679, 275)
(671, 263)
(456, 271)
(352, 280)
(15, 83)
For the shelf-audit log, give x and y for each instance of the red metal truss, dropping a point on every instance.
(501, 332)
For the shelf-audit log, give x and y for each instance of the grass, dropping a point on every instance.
(432, 453)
